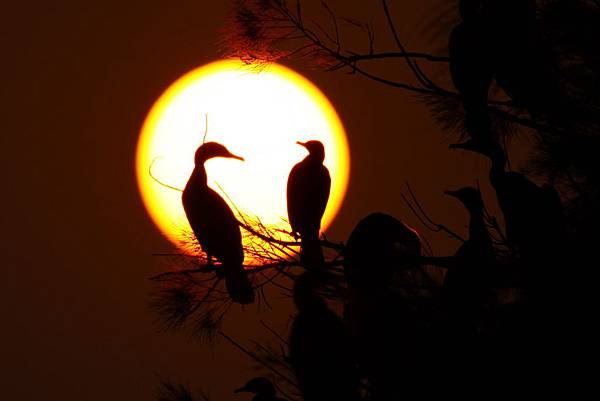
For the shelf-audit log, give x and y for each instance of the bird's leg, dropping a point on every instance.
(210, 265)
(219, 272)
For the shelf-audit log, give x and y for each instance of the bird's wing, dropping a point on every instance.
(323, 190)
(294, 196)
(225, 224)
(214, 225)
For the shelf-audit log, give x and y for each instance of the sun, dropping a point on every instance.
(257, 115)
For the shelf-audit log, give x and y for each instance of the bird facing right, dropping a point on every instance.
(308, 189)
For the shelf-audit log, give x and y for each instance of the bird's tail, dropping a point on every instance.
(311, 253)
(238, 285)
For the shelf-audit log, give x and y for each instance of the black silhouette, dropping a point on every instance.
(471, 66)
(307, 194)
(320, 351)
(377, 314)
(509, 300)
(379, 246)
(533, 217)
(263, 389)
(467, 284)
(214, 224)
(520, 199)
(520, 65)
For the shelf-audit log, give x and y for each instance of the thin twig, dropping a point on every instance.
(257, 359)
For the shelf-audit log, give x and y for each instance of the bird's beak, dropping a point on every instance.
(470, 145)
(465, 146)
(450, 193)
(241, 390)
(301, 143)
(232, 156)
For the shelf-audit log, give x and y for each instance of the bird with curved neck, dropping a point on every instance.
(308, 189)
(517, 196)
(467, 281)
(532, 216)
(214, 224)
(263, 389)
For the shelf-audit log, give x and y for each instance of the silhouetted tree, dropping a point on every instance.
(510, 301)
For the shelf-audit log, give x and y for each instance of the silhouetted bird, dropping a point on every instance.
(377, 314)
(467, 284)
(263, 389)
(307, 194)
(511, 24)
(320, 351)
(214, 224)
(378, 246)
(532, 215)
(471, 66)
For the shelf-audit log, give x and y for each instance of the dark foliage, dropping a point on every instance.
(512, 303)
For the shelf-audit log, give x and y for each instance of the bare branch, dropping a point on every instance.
(257, 359)
(420, 213)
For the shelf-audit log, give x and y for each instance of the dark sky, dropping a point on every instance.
(77, 81)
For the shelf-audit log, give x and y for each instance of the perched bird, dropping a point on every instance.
(379, 246)
(532, 216)
(512, 28)
(471, 69)
(320, 351)
(380, 320)
(214, 224)
(307, 194)
(263, 389)
(467, 282)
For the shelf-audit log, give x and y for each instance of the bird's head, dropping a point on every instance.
(213, 149)
(258, 385)
(315, 149)
(469, 196)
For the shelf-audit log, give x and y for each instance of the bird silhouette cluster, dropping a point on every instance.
(378, 317)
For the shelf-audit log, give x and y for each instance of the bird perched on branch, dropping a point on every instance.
(467, 281)
(381, 322)
(263, 389)
(378, 246)
(320, 351)
(532, 215)
(471, 67)
(214, 224)
(512, 26)
(308, 189)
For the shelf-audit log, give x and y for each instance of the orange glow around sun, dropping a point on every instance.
(257, 115)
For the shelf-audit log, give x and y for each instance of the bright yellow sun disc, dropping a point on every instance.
(257, 115)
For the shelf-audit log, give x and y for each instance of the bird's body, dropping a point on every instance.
(215, 226)
(467, 284)
(308, 189)
(379, 246)
(320, 351)
(532, 216)
(524, 66)
(381, 322)
(471, 67)
(212, 221)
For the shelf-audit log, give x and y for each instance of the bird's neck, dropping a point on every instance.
(477, 226)
(314, 160)
(198, 176)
